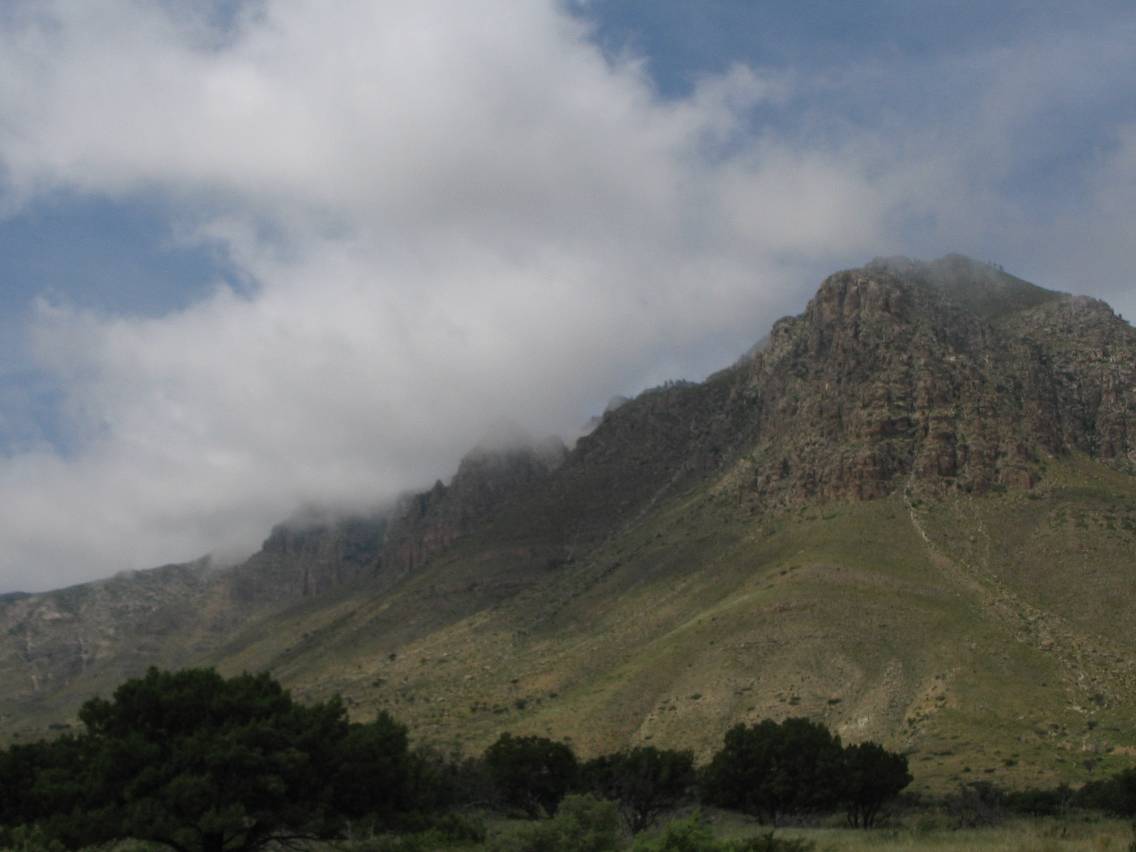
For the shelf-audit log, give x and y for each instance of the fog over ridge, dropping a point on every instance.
(438, 216)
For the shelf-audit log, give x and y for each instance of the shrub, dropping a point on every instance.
(1115, 795)
(687, 835)
(693, 834)
(27, 838)
(1037, 802)
(976, 805)
(582, 824)
(444, 832)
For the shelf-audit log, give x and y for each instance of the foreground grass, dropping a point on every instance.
(914, 832)
(1015, 836)
(931, 829)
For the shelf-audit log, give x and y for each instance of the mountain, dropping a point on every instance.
(910, 512)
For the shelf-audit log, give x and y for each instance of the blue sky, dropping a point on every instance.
(255, 255)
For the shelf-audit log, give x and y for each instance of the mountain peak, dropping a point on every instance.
(982, 288)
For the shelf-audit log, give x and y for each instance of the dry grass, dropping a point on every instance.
(1018, 836)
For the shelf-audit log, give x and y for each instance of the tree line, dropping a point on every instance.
(195, 762)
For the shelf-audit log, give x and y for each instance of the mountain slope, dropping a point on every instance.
(909, 514)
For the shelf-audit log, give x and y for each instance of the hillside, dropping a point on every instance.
(911, 513)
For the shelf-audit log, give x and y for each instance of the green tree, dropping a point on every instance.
(532, 773)
(645, 781)
(373, 771)
(770, 769)
(1116, 795)
(871, 777)
(197, 763)
(39, 780)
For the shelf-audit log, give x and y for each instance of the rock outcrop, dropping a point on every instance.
(497, 471)
(312, 555)
(952, 374)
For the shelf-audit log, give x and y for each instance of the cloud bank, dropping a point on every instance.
(428, 216)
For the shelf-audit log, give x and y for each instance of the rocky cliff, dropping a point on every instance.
(500, 470)
(311, 554)
(951, 374)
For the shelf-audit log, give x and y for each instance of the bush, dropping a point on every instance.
(444, 832)
(976, 805)
(26, 838)
(693, 834)
(686, 835)
(769, 843)
(1037, 802)
(1115, 795)
(582, 824)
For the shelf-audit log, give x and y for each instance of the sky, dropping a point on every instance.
(257, 255)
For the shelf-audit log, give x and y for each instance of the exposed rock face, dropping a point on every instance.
(97, 634)
(952, 373)
(491, 475)
(310, 556)
(143, 618)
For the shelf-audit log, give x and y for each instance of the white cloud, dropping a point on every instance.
(451, 212)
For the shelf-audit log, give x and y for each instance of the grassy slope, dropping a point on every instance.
(697, 617)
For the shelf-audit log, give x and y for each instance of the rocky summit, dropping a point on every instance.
(909, 513)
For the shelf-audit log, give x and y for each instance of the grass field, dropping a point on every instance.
(1019, 836)
(931, 830)
(926, 831)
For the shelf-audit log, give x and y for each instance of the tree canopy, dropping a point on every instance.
(773, 768)
(799, 766)
(645, 781)
(532, 773)
(199, 763)
(872, 776)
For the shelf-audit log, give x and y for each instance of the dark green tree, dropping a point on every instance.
(532, 773)
(373, 771)
(197, 763)
(871, 777)
(39, 780)
(1115, 795)
(770, 769)
(1040, 801)
(645, 782)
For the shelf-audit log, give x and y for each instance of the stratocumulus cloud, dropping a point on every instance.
(444, 214)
